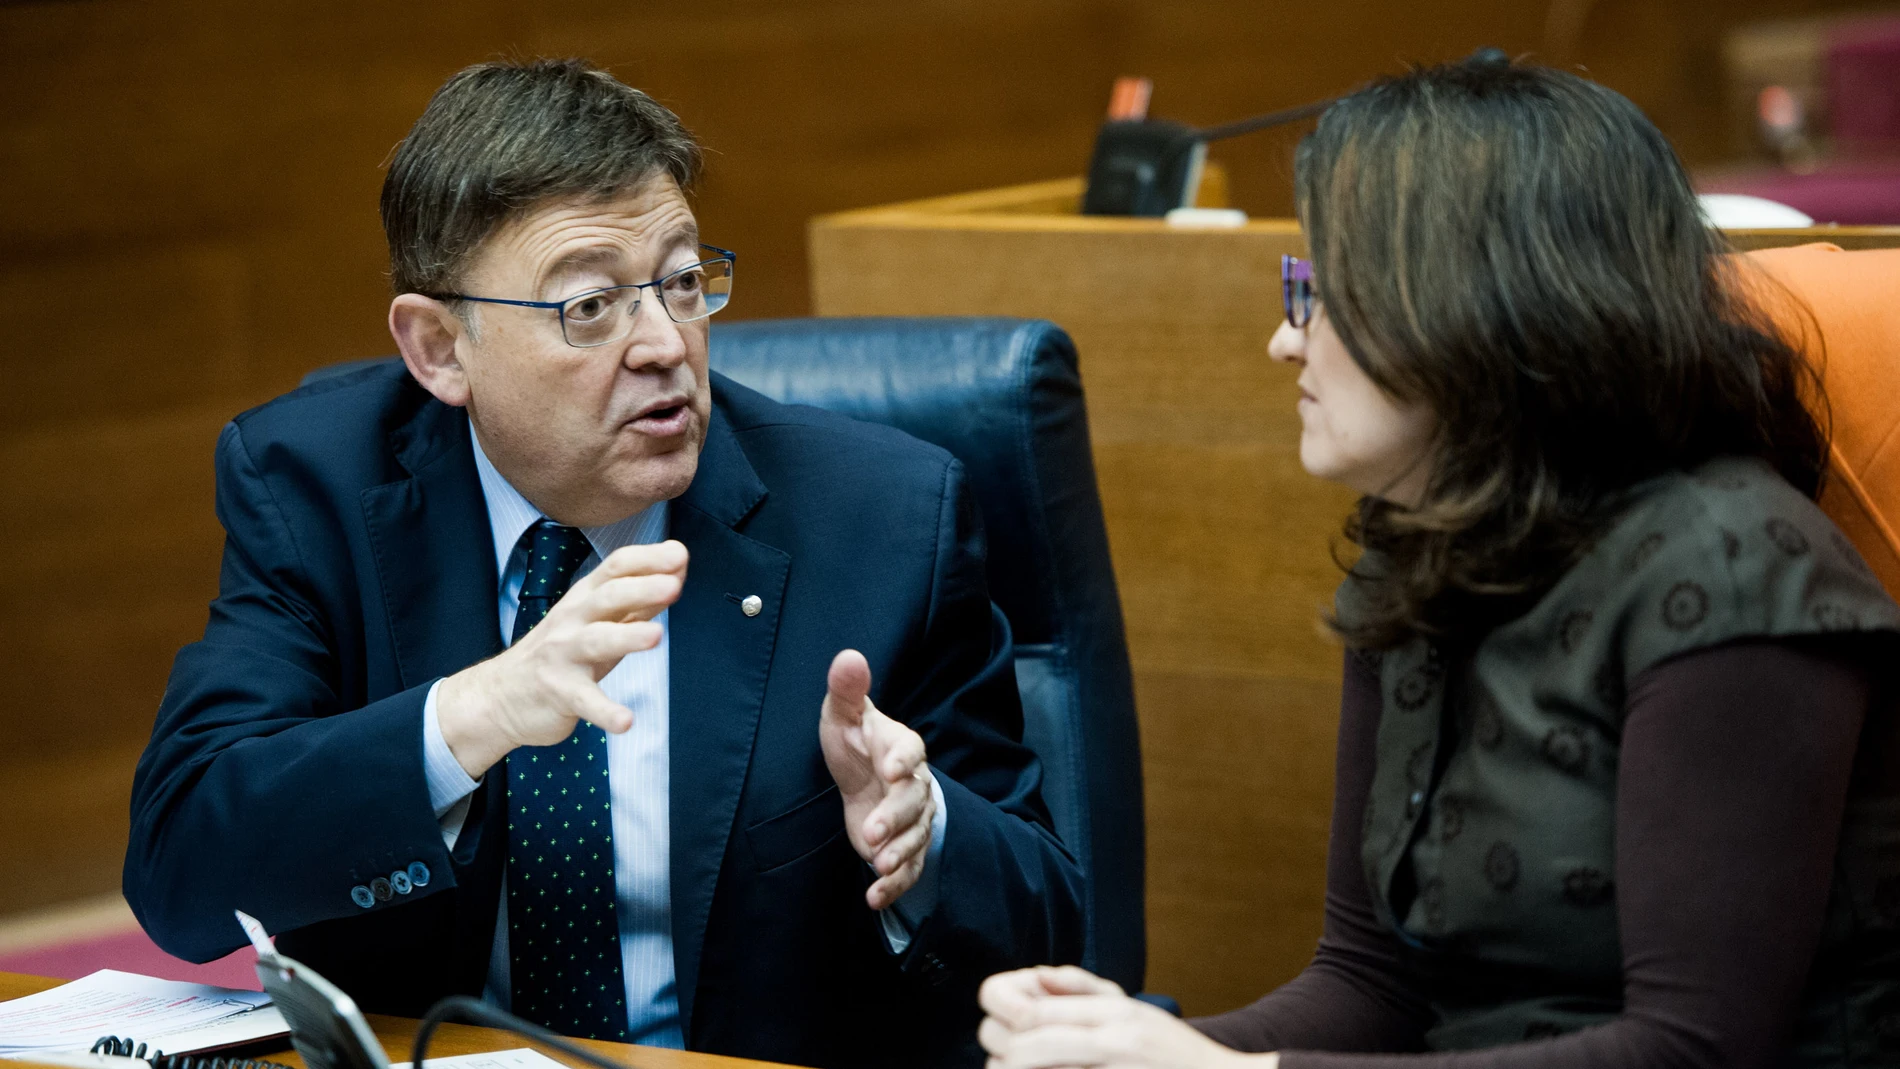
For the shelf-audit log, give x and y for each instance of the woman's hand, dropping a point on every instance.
(1066, 1018)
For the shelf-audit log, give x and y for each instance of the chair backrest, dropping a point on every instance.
(1005, 397)
(1854, 298)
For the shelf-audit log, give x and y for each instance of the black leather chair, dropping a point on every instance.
(1005, 397)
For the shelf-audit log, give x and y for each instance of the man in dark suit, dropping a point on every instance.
(524, 675)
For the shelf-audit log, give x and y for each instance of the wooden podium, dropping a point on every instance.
(1222, 544)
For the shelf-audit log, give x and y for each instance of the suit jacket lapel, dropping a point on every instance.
(433, 550)
(719, 662)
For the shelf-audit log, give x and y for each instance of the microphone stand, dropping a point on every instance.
(476, 1011)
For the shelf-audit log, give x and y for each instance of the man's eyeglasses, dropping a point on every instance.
(601, 316)
(1296, 290)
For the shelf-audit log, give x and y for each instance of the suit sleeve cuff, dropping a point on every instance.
(910, 911)
(449, 786)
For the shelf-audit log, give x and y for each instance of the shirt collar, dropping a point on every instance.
(510, 515)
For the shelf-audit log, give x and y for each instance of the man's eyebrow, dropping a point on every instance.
(579, 259)
(686, 236)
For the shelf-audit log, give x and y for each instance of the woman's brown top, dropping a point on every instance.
(1655, 821)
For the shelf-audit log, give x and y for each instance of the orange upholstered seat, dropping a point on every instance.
(1855, 301)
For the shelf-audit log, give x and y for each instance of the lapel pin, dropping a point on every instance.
(751, 605)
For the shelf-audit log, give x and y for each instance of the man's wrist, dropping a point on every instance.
(449, 783)
(467, 728)
(920, 899)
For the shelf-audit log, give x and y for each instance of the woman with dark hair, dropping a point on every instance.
(1619, 767)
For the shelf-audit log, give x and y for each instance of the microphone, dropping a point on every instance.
(1261, 122)
(1148, 167)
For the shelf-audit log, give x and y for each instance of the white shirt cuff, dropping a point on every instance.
(449, 785)
(910, 911)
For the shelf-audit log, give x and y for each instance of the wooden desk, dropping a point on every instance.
(398, 1034)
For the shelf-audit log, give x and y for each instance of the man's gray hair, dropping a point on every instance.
(498, 138)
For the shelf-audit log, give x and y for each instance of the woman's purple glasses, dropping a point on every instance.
(1296, 290)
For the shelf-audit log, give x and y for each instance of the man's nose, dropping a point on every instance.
(1288, 344)
(656, 341)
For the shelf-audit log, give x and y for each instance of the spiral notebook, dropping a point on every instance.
(178, 1017)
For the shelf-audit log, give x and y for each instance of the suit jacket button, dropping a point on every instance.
(361, 896)
(399, 880)
(381, 889)
(418, 874)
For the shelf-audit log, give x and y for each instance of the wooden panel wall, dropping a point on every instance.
(187, 223)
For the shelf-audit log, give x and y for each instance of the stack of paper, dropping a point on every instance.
(168, 1015)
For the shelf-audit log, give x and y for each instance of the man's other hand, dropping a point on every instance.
(534, 692)
(880, 769)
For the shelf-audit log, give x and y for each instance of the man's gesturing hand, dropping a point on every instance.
(879, 766)
(532, 693)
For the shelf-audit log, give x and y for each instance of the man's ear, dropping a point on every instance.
(430, 336)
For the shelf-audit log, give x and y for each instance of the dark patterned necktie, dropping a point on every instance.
(563, 933)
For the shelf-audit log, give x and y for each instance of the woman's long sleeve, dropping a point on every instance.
(1734, 772)
(1351, 996)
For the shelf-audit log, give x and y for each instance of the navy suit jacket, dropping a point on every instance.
(285, 765)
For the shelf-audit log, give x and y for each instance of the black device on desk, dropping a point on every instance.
(326, 1028)
(1143, 167)
(1150, 167)
(329, 1032)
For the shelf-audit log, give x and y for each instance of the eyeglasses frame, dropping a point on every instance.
(1297, 294)
(560, 307)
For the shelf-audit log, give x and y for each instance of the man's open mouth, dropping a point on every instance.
(665, 418)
